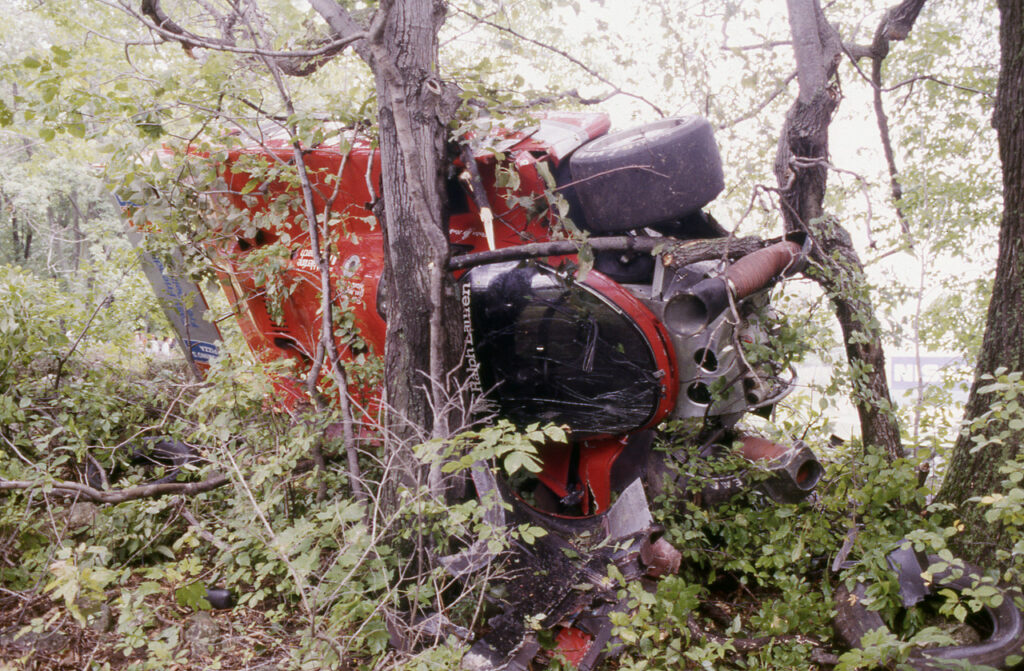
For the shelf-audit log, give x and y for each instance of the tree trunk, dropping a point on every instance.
(1003, 345)
(801, 169)
(422, 320)
(77, 235)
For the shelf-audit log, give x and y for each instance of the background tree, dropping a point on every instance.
(801, 166)
(990, 441)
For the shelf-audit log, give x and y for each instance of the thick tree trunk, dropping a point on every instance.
(1003, 345)
(422, 334)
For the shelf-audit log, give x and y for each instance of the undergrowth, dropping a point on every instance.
(321, 580)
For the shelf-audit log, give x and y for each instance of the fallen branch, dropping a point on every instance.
(296, 62)
(677, 253)
(91, 494)
(819, 653)
(202, 532)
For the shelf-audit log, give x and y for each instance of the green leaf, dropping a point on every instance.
(545, 173)
(530, 534)
(192, 596)
(148, 588)
(513, 462)
(61, 55)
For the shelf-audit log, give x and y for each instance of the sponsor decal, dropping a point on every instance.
(202, 352)
(472, 364)
(306, 261)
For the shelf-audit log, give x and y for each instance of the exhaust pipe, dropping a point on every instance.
(689, 312)
(795, 470)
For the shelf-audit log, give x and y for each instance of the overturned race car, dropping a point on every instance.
(654, 332)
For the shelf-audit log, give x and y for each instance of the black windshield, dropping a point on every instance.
(552, 349)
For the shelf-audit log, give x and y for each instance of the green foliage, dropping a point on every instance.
(747, 561)
(883, 513)
(999, 427)
(330, 573)
(515, 450)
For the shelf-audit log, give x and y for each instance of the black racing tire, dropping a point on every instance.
(853, 620)
(647, 175)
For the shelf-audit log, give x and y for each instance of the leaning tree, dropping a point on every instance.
(801, 168)
(989, 439)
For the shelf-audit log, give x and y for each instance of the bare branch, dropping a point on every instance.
(167, 27)
(571, 94)
(326, 343)
(900, 19)
(87, 493)
(771, 44)
(678, 253)
(896, 189)
(298, 62)
(895, 25)
(340, 21)
(857, 51)
(344, 26)
(942, 82)
(104, 302)
(569, 57)
(779, 90)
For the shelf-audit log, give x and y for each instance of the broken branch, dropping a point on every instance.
(87, 493)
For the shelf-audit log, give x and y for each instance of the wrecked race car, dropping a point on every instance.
(654, 331)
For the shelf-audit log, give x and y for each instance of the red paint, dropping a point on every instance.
(357, 235)
(573, 644)
(345, 181)
(596, 460)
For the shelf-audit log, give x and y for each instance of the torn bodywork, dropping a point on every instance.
(562, 583)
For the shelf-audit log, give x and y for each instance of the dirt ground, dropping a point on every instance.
(37, 633)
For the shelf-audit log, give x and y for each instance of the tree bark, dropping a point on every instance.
(801, 169)
(422, 321)
(1003, 344)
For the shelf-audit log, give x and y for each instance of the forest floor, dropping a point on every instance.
(37, 633)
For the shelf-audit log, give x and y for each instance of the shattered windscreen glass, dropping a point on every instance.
(553, 350)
